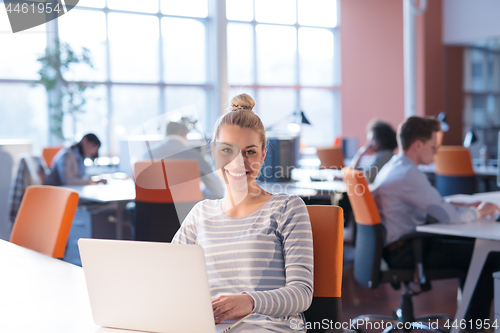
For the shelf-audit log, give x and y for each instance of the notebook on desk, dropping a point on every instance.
(147, 286)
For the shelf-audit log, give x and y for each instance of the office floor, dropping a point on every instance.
(358, 300)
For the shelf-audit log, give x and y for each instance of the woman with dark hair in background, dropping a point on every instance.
(381, 142)
(68, 167)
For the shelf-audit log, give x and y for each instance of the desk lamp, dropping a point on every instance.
(293, 126)
(441, 117)
(470, 137)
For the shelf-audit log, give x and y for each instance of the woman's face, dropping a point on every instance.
(239, 155)
(89, 149)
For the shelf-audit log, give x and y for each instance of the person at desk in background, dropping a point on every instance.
(405, 198)
(258, 246)
(69, 167)
(381, 142)
(175, 147)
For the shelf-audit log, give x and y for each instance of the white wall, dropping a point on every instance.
(466, 21)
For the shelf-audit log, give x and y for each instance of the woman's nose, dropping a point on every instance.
(237, 161)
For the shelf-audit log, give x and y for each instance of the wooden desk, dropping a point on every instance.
(46, 295)
(486, 231)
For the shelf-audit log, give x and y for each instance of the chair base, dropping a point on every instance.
(395, 322)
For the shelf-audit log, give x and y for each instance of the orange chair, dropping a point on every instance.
(327, 224)
(49, 153)
(368, 256)
(454, 171)
(331, 157)
(44, 219)
(166, 190)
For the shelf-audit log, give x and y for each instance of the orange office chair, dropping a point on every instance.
(368, 256)
(49, 153)
(327, 224)
(166, 190)
(331, 157)
(454, 172)
(44, 219)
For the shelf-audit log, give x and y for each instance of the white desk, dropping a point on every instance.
(481, 171)
(120, 192)
(487, 234)
(41, 294)
(116, 192)
(46, 295)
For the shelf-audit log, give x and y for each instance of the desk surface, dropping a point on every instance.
(46, 295)
(484, 171)
(486, 231)
(115, 190)
(124, 190)
(485, 228)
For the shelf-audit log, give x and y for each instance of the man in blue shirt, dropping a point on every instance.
(405, 198)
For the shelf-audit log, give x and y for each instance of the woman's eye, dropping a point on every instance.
(250, 152)
(227, 150)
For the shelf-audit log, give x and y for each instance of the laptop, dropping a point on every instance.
(148, 286)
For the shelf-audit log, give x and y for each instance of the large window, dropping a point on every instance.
(154, 56)
(284, 52)
(23, 107)
(150, 58)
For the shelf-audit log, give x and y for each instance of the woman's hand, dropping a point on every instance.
(231, 307)
(102, 181)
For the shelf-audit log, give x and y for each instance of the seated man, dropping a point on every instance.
(405, 198)
(175, 147)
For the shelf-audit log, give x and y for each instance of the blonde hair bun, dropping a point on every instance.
(242, 102)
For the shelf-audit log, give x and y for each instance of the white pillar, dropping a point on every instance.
(217, 66)
(410, 50)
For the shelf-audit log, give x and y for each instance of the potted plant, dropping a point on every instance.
(67, 98)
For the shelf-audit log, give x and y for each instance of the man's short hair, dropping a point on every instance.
(174, 128)
(416, 128)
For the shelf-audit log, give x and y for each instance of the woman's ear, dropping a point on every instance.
(264, 152)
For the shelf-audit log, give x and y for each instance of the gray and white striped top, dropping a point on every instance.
(267, 254)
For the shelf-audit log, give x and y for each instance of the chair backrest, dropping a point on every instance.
(369, 229)
(454, 171)
(331, 157)
(167, 181)
(6, 163)
(166, 190)
(327, 224)
(49, 153)
(44, 219)
(453, 161)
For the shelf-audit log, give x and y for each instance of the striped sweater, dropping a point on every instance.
(267, 254)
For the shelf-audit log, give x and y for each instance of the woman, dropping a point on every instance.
(381, 142)
(258, 246)
(69, 168)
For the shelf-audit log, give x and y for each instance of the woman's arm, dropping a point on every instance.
(296, 295)
(68, 171)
